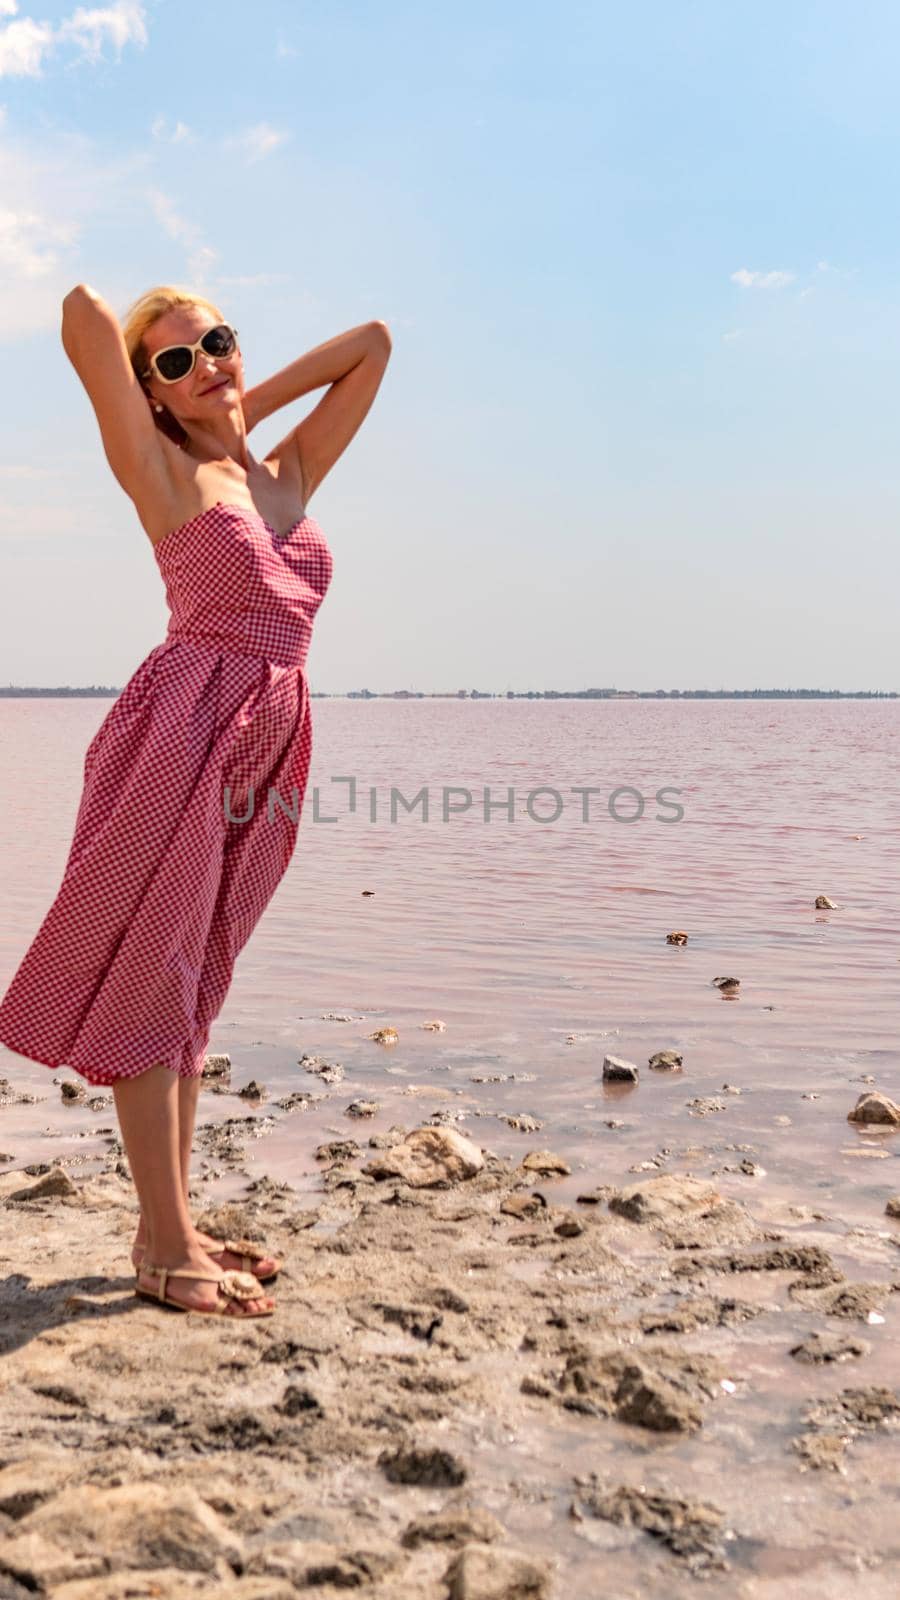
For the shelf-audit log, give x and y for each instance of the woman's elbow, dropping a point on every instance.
(81, 295)
(79, 311)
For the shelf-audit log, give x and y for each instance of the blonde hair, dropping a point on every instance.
(144, 312)
(141, 316)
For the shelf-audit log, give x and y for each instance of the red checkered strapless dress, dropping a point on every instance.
(193, 787)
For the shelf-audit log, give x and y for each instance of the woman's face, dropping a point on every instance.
(214, 385)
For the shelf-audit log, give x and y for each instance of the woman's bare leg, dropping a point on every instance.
(148, 1112)
(188, 1094)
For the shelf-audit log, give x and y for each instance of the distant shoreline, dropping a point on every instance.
(103, 692)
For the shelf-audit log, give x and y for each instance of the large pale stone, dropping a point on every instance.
(665, 1199)
(875, 1107)
(54, 1182)
(428, 1158)
(484, 1572)
(134, 1525)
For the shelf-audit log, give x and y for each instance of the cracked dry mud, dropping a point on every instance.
(468, 1391)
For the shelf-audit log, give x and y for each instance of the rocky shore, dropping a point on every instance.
(469, 1390)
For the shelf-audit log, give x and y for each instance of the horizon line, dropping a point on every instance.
(103, 691)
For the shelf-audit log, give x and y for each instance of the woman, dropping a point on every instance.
(193, 783)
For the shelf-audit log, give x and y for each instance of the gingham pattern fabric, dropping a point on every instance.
(178, 844)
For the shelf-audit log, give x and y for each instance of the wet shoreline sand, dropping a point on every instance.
(570, 1372)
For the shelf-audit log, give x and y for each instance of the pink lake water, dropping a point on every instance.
(541, 946)
(541, 943)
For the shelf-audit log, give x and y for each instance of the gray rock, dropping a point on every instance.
(428, 1158)
(253, 1091)
(689, 1213)
(875, 1107)
(309, 1564)
(666, 1061)
(216, 1066)
(482, 1572)
(55, 1182)
(362, 1108)
(665, 1198)
(616, 1070)
(429, 1466)
(819, 1348)
(87, 1530)
(456, 1526)
(692, 1529)
(546, 1162)
(704, 1311)
(659, 1388)
(851, 1300)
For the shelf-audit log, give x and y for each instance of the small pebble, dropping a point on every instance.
(666, 1061)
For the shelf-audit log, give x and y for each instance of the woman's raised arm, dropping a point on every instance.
(353, 363)
(92, 339)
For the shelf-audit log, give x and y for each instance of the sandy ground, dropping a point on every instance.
(468, 1391)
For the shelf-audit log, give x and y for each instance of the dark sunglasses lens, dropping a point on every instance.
(175, 363)
(218, 341)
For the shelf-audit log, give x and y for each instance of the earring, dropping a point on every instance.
(157, 406)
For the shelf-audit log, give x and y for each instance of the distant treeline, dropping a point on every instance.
(102, 691)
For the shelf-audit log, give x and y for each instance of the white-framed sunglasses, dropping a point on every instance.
(177, 360)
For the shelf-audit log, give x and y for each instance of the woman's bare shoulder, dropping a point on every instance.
(179, 492)
(274, 487)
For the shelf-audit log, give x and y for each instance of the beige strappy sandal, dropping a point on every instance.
(231, 1286)
(248, 1252)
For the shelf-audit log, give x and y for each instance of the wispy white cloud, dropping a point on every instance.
(160, 130)
(23, 46)
(733, 335)
(22, 469)
(52, 192)
(25, 43)
(281, 48)
(28, 243)
(201, 257)
(762, 280)
(252, 280)
(836, 272)
(121, 23)
(256, 142)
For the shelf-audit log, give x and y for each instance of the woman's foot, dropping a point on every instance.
(199, 1294)
(226, 1259)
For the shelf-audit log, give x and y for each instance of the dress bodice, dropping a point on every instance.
(233, 584)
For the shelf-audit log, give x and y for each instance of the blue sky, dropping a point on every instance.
(640, 265)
